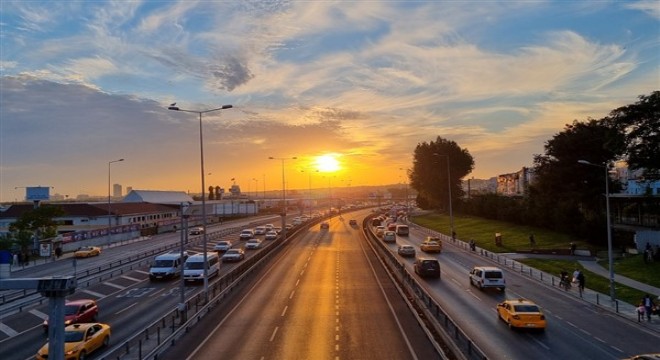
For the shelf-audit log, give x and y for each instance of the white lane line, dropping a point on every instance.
(130, 278)
(585, 332)
(126, 308)
(616, 348)
(142, 272)
(274, 332)
(38, 314)
(284, 311)
(99, 295)
(157, 292)
(540, 343)
(291, 296)
(302, 272)
(297, 282)
(7, 330)
(599, 339)
(115, 285)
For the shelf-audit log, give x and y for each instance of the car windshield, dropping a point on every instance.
(70, 310)
(431, 264)
(526, 308)
(232, 252)
(163, 263)
(73, 336)
(194, 265)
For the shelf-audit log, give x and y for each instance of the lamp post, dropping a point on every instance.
(451, 214)
(283, 194)
(201, 152)
(109, 212)
(610, 257)
(309, 201)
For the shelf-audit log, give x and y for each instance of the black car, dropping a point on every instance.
(427, 267)
(352, 222)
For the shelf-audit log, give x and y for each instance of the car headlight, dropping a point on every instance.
(67, 322)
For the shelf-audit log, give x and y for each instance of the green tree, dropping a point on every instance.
(640, 122)
(429, 176)
(566, 193)
(39, 222)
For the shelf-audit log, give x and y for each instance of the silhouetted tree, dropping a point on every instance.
(429, 173)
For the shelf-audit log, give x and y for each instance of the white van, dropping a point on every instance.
(166, 266)
(193, 269)
(487, 277)
(402, 230)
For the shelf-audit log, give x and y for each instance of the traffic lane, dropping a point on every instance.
(574, 327)
(301, 319)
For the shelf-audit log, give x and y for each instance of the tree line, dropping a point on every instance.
(566, 194)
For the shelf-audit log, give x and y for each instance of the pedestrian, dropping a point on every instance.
(640, 311)
(453, 236)
(581, 281)
(648, 306)
(58, 252)
(532, 241)
(576, 273)
(15, 260)
(573, 247)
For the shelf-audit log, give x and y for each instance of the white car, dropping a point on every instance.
(271, 235)
(253, 244)
(260, 230)
(233, 255)
(223, 245)
(269, 227)
(246, 234)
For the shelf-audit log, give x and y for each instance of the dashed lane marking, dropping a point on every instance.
(115, 285)
(130, 278)
(38, 314)
(99, 295)
(7, 330)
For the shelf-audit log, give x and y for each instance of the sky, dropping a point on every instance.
(358, 83)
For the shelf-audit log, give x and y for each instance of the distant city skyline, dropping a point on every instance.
(348, 88)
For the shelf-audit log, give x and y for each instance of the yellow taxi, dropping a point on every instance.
(80, 340)
(521, 313)
(87, 251)
(431, 244)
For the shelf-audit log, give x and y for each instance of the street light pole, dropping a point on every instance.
(201, 153)
(109, 212)
(283, 194)
(451, 213)
(610, 255)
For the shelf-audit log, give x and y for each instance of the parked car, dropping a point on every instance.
(223, 246)
(246, 234)
(406, 250)
(427, 267)
(87, 251)
(253, 244)
(77, 311)
(81, 340)
(431, 244)
(271, 235)
(389, 236)
(232, 255)
(521, 313)
(487, 277)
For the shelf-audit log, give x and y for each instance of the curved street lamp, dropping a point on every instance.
(201, 152)
(610, 256)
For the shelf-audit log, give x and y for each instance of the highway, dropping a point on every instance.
(327, 296)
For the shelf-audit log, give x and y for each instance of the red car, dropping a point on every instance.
(78, 311)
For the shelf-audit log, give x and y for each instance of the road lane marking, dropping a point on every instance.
(142, 272)
(115, 285)
(7, 330)
(99, 295)
(284, 311)
(38, 314)
(291, 296)
(273, 335)
(130, 278)
(126, 308)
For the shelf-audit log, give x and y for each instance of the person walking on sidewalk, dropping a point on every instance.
(640, 311)
(648, 306)
(581, 281)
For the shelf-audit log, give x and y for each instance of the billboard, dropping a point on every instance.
(37, 193)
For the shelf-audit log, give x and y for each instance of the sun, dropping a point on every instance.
(327, 163)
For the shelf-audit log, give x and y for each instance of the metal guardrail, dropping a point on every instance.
(156, 337)
(441, 323)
